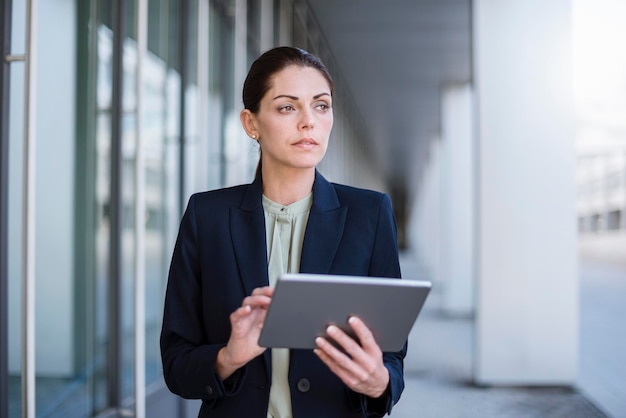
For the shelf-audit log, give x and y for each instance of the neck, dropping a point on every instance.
(287, 187)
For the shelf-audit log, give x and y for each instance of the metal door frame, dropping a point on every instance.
(29, 58)
(5, 43)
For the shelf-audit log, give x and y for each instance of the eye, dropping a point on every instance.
(322, 106)
(286, 108)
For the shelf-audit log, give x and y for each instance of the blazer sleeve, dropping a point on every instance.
(188, 362)
(385, 263)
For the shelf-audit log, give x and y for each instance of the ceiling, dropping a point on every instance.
(395, 55)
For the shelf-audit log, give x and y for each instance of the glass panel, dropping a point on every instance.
(253, 30)
(195, 168)
(299, 26)
(58, 378)
(161, 141)
(65, 363)
(61, 388)
(15, 218)
(221, 86)
(127, 179)
(74, 191)
(98, 241)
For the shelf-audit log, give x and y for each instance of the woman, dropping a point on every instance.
(233, 243)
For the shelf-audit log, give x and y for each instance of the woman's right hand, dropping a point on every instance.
(246, 323)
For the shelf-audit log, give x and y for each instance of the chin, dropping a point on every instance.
(312, 163)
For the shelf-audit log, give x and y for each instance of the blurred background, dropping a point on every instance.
(498, 128)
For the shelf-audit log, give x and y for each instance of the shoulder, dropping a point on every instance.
(225, 192)
(224, 197)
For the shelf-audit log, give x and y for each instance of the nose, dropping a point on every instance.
(306, 119)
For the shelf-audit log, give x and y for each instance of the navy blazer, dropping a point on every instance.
(220, 256)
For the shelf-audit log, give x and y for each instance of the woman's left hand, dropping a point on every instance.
(361, 366)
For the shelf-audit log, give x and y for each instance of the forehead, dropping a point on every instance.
(296, 79)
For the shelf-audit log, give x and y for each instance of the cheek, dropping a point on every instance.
(329, 121)
(328, 126)
(274, 129)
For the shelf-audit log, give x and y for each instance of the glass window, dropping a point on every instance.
(221, 86)
(64, 362)
(161, 130)
(253, 29)
(15, 214)
(299, 25)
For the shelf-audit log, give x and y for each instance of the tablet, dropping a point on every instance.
(304, 305)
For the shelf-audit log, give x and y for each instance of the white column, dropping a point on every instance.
(457, 201)
(424, 236)
(527, 296)
(623, 220)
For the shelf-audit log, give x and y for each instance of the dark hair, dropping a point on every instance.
(259, 77)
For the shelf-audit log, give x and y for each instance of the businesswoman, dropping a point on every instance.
(233, 243)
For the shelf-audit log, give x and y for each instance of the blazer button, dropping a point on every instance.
(304, 385)
(209, 390)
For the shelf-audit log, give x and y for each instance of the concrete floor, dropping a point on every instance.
(439, 364)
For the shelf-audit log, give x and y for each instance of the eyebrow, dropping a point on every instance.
(317, 96)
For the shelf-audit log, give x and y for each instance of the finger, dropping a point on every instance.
(328, 348)
(241, 312)
(340, 359)
(330, 355)
(361, 361)
(265, 291)
(257, 301)
(346, 342)
(249, 313)
(326, 359)
(363, 333)
(339, 365)
(261, 318)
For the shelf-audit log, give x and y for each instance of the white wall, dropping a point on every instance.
(527, 311)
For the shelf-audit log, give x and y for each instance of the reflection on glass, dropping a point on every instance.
(161, 117)
(102, 235)
(74, 209)
(14, 222)
(14, 250)
(221, 87)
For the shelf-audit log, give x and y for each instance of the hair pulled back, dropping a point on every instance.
(259, 78)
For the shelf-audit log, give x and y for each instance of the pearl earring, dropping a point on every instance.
(253, 136)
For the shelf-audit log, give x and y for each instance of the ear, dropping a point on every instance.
(248, 121)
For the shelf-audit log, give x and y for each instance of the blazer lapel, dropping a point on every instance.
(324, 228)
(247, 230)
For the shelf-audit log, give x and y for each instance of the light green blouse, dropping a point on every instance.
(284, 233)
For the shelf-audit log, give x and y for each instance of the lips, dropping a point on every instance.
(306, 142)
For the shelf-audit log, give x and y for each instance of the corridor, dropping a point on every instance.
(439, 363)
